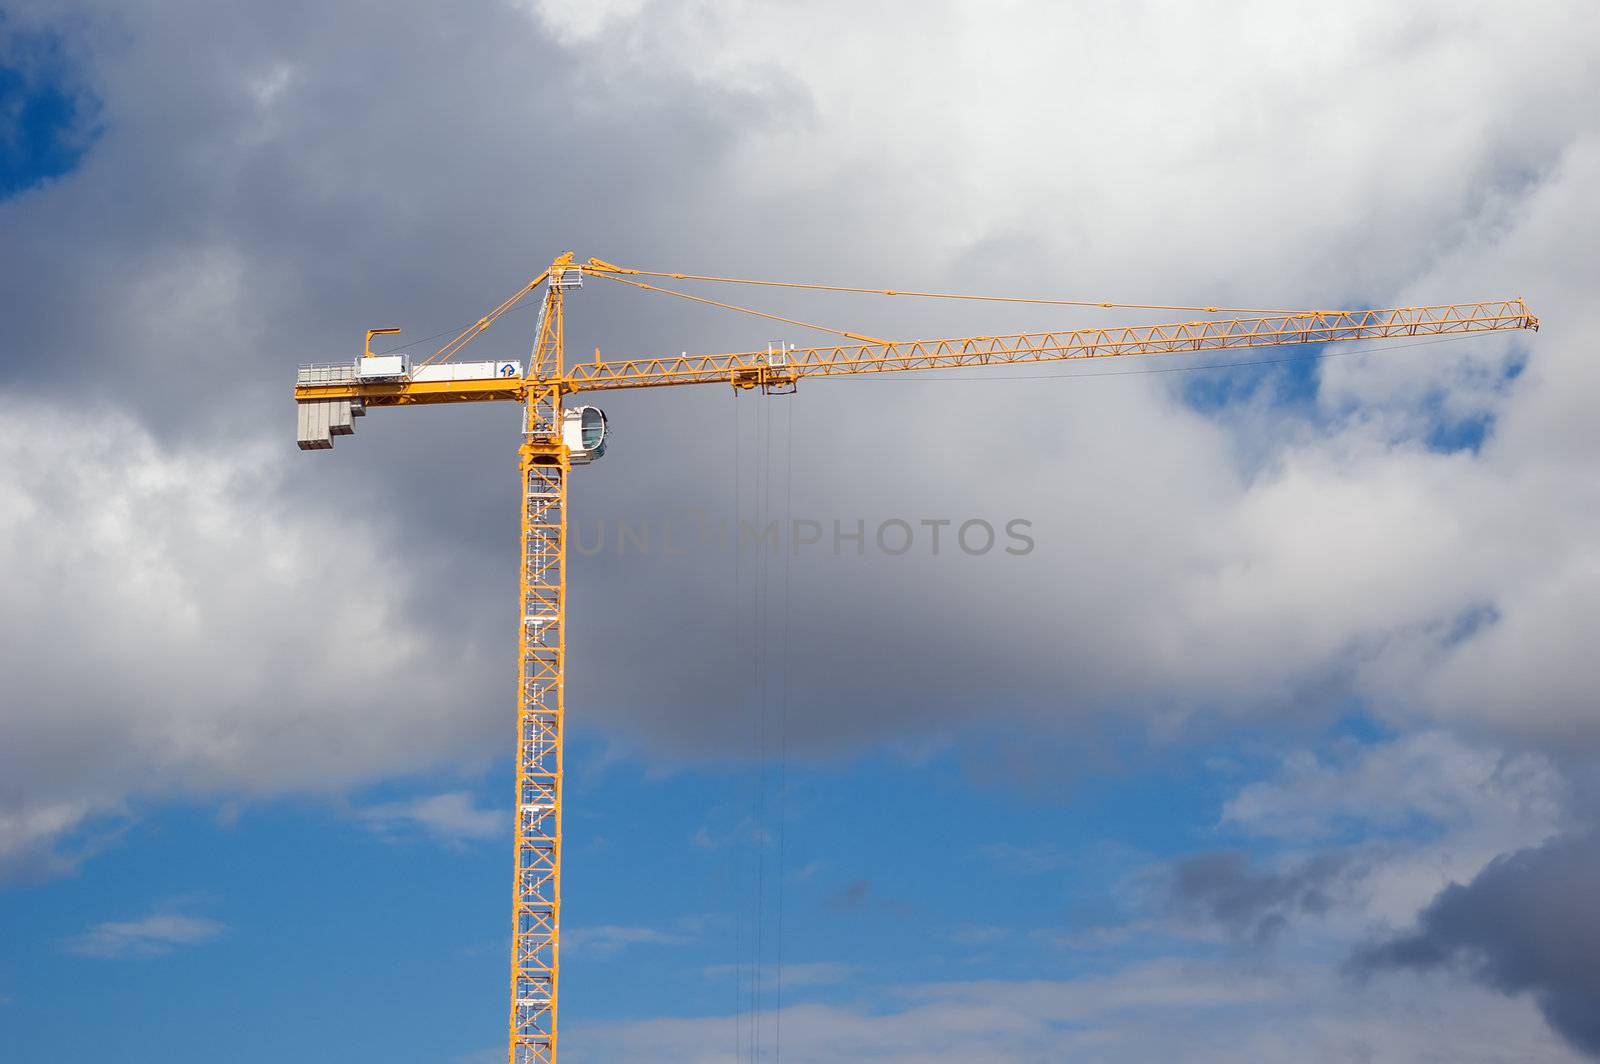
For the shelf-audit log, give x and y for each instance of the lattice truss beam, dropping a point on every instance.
(1307, 327)
(536, 891)
(537, 888)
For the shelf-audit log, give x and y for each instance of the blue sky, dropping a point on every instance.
(897, 871)
(48, 124)
(1294, 661)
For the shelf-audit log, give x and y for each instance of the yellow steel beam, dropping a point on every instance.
(413, 393)
(749, 369)
(541, 707)
(541, 712)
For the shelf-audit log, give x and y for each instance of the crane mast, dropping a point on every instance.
(545, 463)
(555, 438)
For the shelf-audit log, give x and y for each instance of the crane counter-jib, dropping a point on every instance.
(329, 396)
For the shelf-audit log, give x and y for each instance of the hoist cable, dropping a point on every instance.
(744, 310)
(783, 721)
(603, 269)
(761, 722)
(734, 848)
(445, 332)
(471, 332)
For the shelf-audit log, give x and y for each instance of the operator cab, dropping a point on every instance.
(583, 430)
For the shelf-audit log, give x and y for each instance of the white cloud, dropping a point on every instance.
(1409, 155)
(607, 940)
(148, 936)
(28, 833)
(451, 818)
(174, 627)
(794, 976)
(1429, 780)
(575, 21)
(1169, 1010)
(1414, 814)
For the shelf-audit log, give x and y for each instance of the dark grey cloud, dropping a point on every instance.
(270, 181)
(1527, 924)
(1254, 904)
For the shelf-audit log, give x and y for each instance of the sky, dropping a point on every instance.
(1276, 740)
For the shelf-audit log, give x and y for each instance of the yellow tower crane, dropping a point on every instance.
(557, 437)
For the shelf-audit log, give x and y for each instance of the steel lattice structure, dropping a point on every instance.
(536, 892)
(536, 895)
(554, 440)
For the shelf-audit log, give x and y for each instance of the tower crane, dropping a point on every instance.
(557, 436)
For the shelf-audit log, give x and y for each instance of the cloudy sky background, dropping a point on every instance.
(1280, 744)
